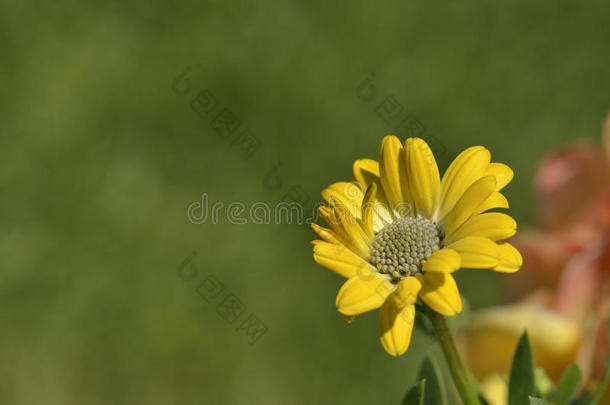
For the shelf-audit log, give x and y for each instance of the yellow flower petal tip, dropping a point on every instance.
(510, 259)
(395, 328)
(399, 230)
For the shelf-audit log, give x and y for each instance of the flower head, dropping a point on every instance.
(399, 231)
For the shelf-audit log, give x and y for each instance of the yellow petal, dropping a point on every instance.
(422, 176)
(395, 328)
(493, 333)
(503, 174)
(465, 169)
(366, 171)
(355, 237)
(439, 291)
(326, 214)
(335, 234)
(339, 259)
(363, 293)
(392, 175)
(510, 258)
(397, 315)
(344, 194)
(327, 235)
(444, 260)
(333, 221)
(368, 210)
(477, 252)
(492, 225)
(472, 198)
(406, 292)
(375, 214)
(495, 200)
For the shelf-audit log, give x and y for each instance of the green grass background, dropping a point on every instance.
(99, 160)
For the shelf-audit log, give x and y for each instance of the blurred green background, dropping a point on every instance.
(100, 159)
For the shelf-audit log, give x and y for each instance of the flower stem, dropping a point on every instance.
(458, 371)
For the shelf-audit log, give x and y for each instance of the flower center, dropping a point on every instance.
(402, 247)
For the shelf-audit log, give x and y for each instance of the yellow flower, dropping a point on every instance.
(489, 339)
(398, 231)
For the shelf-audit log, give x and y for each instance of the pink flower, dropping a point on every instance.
(564, 284)
(569, 252)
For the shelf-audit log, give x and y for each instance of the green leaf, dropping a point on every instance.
(537, 401)
(585, 399)
(568, 386)
(435, 389)
(415, 396)
(521, 383)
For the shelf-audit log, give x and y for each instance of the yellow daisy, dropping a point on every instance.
(398, 231)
